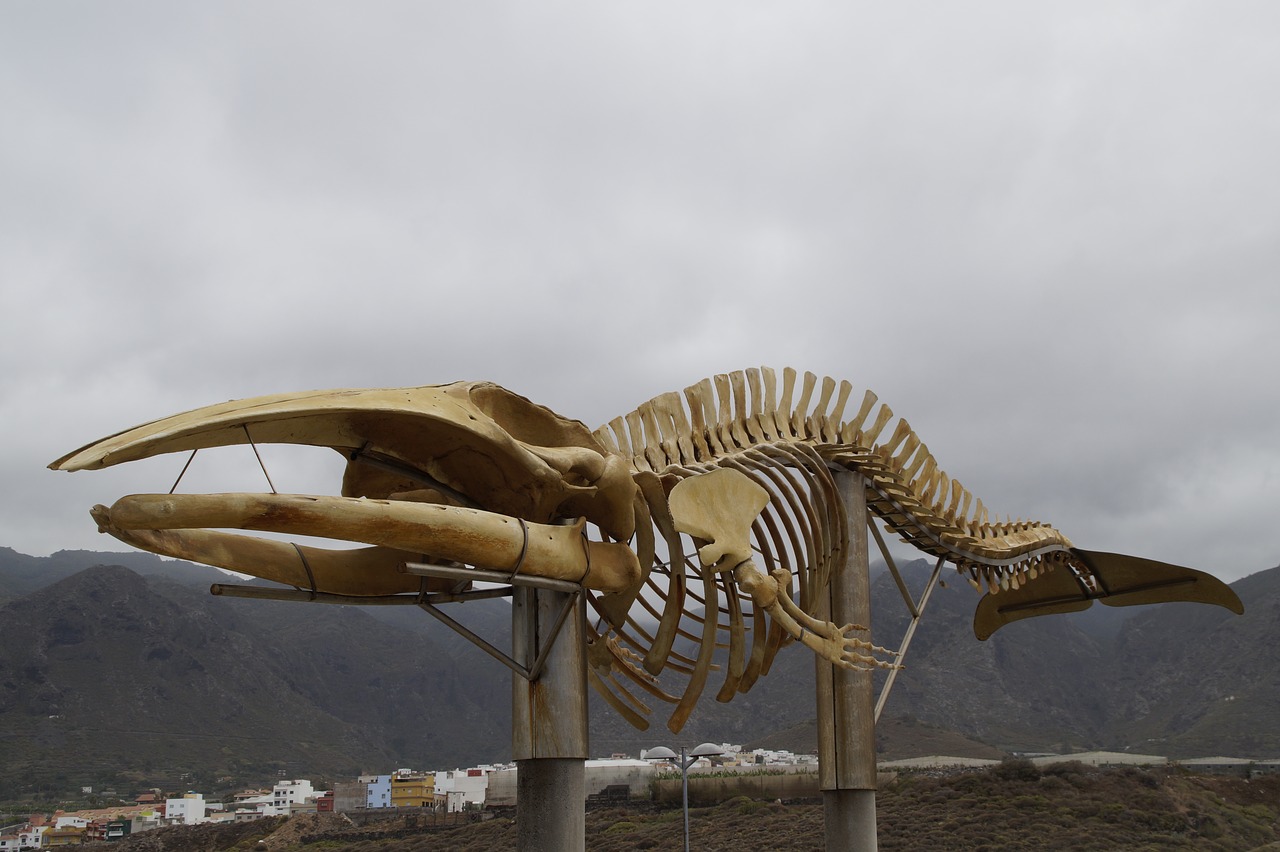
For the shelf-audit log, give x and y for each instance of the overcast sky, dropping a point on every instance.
(1046, 234)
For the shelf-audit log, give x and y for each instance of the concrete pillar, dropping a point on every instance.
(846, 700)
(551, 795)
(549, 723)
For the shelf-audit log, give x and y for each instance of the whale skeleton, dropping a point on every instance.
(691, 523)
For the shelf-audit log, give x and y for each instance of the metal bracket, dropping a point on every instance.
(427, 604)
(279, 594)
(915, 608)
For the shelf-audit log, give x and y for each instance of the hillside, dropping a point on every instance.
(105, 668)
(1180, 679)
(1206, 681)
(1009, 807)
(21, 575)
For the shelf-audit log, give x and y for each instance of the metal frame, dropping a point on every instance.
(916, 610)
(449, 572)
(428, 604)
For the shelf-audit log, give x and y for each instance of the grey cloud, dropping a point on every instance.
(1045, 236)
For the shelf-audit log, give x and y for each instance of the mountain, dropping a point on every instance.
(1181, 680)
(21, 574)
(109, 667)
(1207, 681)
(1028, 688)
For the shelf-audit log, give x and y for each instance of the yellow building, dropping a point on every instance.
(413, 790)
(68, 835)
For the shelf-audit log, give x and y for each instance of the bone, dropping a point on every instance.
(635, 429)
(783, 415)
(619, 429)
(702, 667)
(850, 431)
(901, 460)
(681, 435)
(476, 538)
(920, 474)
(800, 415)
(725, 521)
(612, 693)
(883, 416)
(831, 430)
(702, 451)
(757, 408)
(724, 414)
(816, 424)
(769, 404)
(705, 396)
(900, 434)
(737, 646)
(653, 449)
(365, 572)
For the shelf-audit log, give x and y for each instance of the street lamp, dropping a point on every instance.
(684, 761)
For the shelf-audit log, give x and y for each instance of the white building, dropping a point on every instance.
(252, 807)
(286, 794)
(458, 788)
(189, 810)
(1102, 758)
(937, 761)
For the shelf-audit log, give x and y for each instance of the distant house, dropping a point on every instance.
(1218, 765)
(600, 775)
(31, 837)
(351, 796)
(67, 835)
(248, 807)
(189, 810)
(413, 789)
(379, 795)
(1102, 758)
(96, 831)
(288, 796)
(936, 761)
(457, 789)
(118, 829)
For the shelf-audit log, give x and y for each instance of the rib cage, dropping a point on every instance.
(789, 444)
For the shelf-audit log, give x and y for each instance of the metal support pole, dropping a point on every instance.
(684, 791)
(846, 699)
(549, 722)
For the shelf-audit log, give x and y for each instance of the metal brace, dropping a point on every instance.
(915, 608)
(530, 673)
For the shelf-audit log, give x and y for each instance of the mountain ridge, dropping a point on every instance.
(108, 675)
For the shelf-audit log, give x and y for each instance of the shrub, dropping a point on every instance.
(1015, 769)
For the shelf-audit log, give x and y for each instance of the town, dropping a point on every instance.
(619, 778)
(444, 791)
